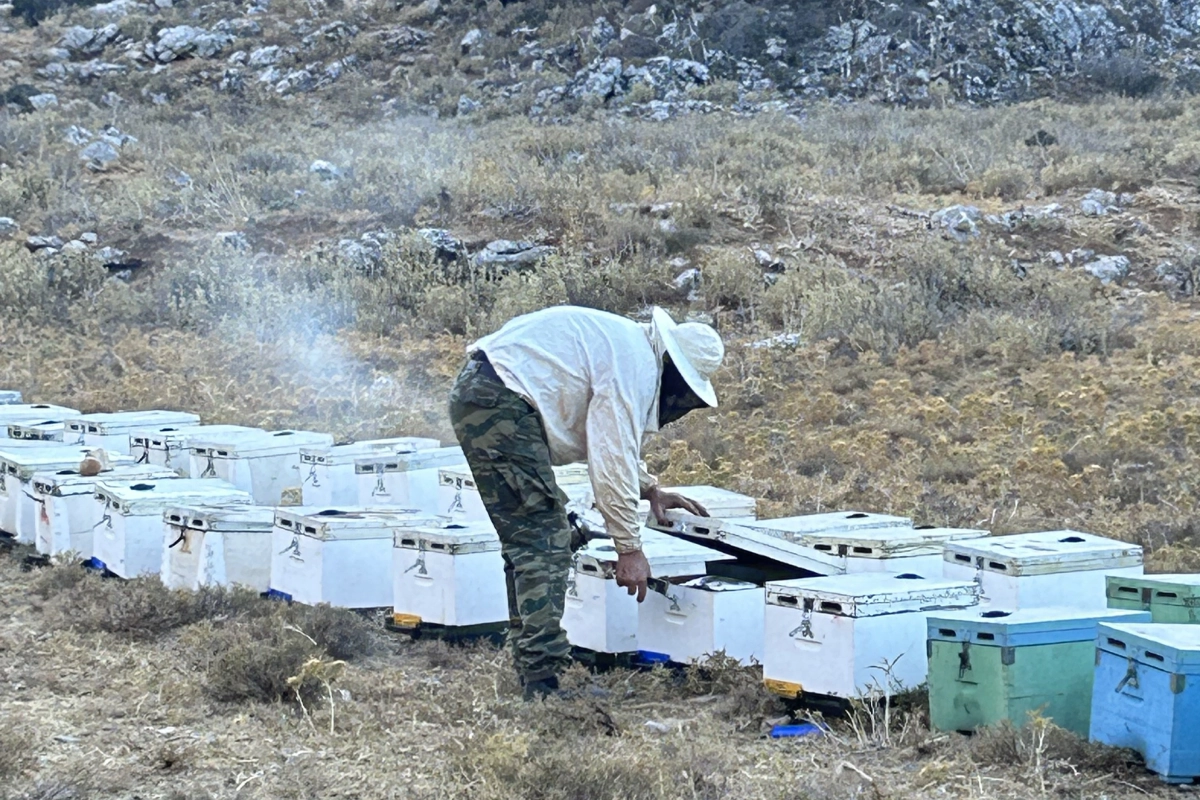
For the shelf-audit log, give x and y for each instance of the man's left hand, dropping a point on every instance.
(661, 502)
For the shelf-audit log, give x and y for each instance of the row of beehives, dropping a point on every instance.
(991, 624)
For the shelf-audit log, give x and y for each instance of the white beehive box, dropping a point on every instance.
(10, 397)
(890, 549)
(328, 472)
(66, 512)
(170, 445)
(602, 617)
(47, 430)
(458, 496)
(450, 575)
(409, 480)
(217, 546)
(263, 464)
(129, 538)
(688, 619)
(28, 413)
(338, 556)
(850, 635)
(18, 463)
(1048, 568)
(768, 539)
(111, 431)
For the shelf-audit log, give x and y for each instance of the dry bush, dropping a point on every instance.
(1040, 745)
(341, 633)
(252, 660)
(65, 578)
(16, 749)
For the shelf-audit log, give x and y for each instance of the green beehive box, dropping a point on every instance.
(987, 666)
(1170, 598)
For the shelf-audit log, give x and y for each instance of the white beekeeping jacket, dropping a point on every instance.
(594, 377)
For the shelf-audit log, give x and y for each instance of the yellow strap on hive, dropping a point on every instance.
(783, 688)
(406, 620)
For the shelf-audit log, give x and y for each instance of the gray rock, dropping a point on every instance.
(688, 279)
(444, 243)
(99, 155)
(36, 243)
(507, 253)
(235, 240)
(74, 246)
(78, 136)
(466, 105)
(767, 261)
(43, 101)
(961, 221)
(184, 41)
(600, 79)
(113, 11)
(266, 56)
(298, 80)
(89, 238)
(89, 41)
(1098, 203)
(239, 27)
(53, 54)
(110, 255)
(8, 227)
(473, 37)
(325, 170)
(1108, 268)
(53, 71)
(602, 32)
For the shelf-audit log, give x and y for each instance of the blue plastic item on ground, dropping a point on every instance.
(801, 729)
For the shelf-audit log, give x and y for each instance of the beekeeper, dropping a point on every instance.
(558, 386)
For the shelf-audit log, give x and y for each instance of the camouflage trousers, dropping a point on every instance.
(505, 445)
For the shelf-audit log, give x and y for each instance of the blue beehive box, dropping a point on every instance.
(1146, 695)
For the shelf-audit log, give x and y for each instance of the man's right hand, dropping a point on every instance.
(633, 573)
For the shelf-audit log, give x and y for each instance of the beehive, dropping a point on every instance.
(898, 549)
(458, 496)
(66, 513)
(340, 556)
(30, 413)
(129, 538)
(47, 430)
(18, 463)
(217, 546)
(989, 666)
(1170, 598)
(601, 616)
(850, 636)
(327, 473)
(111, 431)
(170, 445)
(1146, 695)
(1049, 568)
(409, 480)
(263, 464)
(687, 619)
(449, 575)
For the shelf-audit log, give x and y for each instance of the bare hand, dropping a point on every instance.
(661, 502)
(633, 573)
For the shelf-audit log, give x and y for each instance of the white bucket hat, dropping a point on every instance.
(696, 350)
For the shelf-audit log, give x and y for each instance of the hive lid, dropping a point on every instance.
(872, 594)
(1027, 626)
(828, 527)
(123, 421)
(226, 518)
(1043, 553)
(24, 462)
(262, 444)
(349, 522)
(716, 583)
(668, 556)
(9, 397)
(345, 454)
(1173, 589)
(161, 437)
(34, 412)
(435, 458)
(1169, 647)
(720, 503)
(45, 430)
(751, 540)
(886, 542)
(448, 537)
(151, 497)
(68, 482)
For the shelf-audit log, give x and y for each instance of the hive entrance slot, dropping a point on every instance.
(1072, 540)
(995, 614)
(1154, 656)
(142, 487)
(65, 472)
(923, 527)
(998, 565)
(986, 637)
(787, 600)
(832, 608)
(864, 550)
(1167, 594)
(961, 557)
(40, 406)
(1116, 643)
(437, 546)
(948, 632)
(1127, 589)
(909, 576)
(856, 515)
(408, 542)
